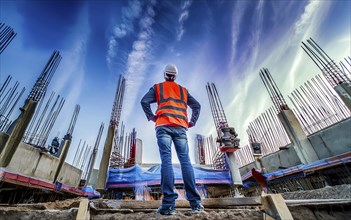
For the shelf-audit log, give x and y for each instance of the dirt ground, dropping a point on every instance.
(218, 214)
(329, 192)
(67, 209)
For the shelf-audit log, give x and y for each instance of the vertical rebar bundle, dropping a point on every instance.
(66, 142)
(43, 122)
(346, 68)
(209, 153)
(116, 159)
(216, 107)
(132, 149)
(40, 86)
(332, 72)
(92, 156)
(9, 98)
(78, 161)
(317, 105)
(268, 131)
(118, 102)
(273, 90)
(6, 36)
(72, 124)
(220, 120)
(124, 149)
(83, 163)
(211, 150)
(76, 154)
(244, 155)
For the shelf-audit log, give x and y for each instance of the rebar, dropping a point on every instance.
(268, 131)
(317, 106)
(38, 134)
(7, 34)
(116, 158)
(332, 72)
(93, 155)
(9, 98)
(40, 86)
(273, 90)
(220, 120)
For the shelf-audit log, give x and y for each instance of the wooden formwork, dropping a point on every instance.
(273, 205)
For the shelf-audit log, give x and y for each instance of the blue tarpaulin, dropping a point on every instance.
(299, 170)
(136, 175)
(91, 192)
(305, 168)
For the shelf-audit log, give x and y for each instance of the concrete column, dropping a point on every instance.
(301, 144)
(17, 133)
(234, 169)
(63, 155)
(344, 91)
(92, 162)
(105, 160)
(139, 151)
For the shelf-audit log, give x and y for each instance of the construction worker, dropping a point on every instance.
(171, 122)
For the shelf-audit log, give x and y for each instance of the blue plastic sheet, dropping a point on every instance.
(304, 168)
(136, 175)
(91, 192)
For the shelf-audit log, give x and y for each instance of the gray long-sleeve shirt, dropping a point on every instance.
(150, 97)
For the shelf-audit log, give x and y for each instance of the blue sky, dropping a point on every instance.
(225, 42)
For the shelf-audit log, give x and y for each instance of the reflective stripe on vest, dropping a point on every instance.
(172, 104)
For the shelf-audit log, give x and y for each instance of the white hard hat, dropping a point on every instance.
(170, 72)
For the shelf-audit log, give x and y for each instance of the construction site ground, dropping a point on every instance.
(326, 203)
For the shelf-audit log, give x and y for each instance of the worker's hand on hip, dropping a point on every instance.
(154, 118)
(190, 125)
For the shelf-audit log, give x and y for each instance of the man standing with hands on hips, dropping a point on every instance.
(171, 122)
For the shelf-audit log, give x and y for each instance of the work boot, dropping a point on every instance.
(197, 209)
(171, 210)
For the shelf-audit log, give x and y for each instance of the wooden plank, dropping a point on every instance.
(275, 206)
(317, 202)
(83, 211)
(267, 217)
(207, 203)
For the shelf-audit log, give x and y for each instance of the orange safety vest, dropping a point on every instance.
(172, 104)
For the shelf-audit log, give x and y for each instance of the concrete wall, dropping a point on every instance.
(70, 175)
(330, 141)
(93, 177)
(333, 140)
(30, 161)
(25, 160)
(275, 161)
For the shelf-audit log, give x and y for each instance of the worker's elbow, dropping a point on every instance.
(143, 102)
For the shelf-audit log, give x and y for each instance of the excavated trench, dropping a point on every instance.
(326, 203)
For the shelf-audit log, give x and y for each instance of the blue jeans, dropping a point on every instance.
(165, 135)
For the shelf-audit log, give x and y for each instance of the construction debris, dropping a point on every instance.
(225, 208)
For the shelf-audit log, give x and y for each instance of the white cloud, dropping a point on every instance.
(237, 16)
(138, 61)
(129, 14)
(120, 31)
(184, 15)
(306, 18)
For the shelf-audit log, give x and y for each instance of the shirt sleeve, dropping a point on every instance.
(149, 98)
(195, 107)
